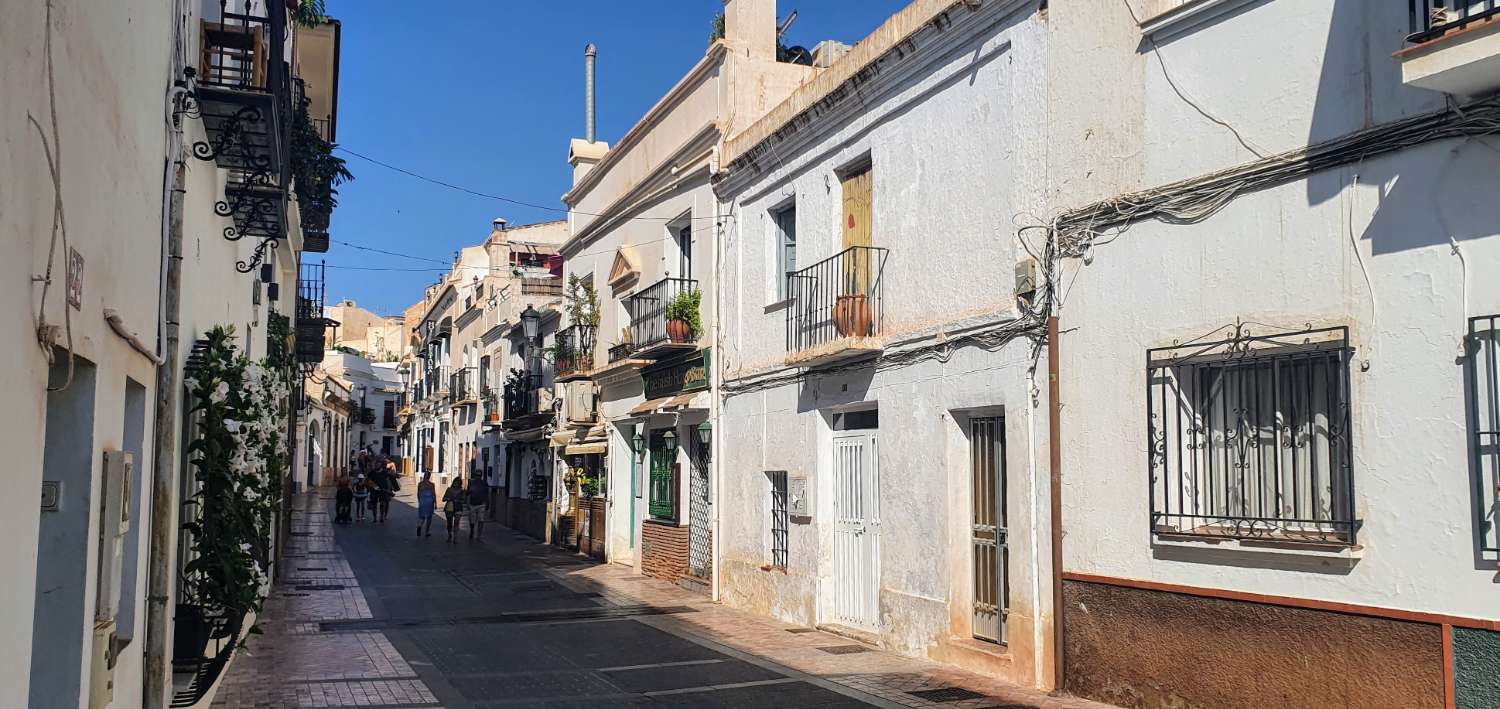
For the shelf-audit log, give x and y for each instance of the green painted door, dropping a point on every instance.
(662, 488)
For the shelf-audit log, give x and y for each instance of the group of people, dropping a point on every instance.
(459, 501)
(369, 484)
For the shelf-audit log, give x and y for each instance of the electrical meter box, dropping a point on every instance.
(114, 523)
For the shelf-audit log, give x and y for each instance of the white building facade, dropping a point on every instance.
(1276, 384)
(882, 434)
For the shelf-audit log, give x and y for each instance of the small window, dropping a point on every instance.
(779, 518)
(1249, 437)
(785, 220)
(857, 420)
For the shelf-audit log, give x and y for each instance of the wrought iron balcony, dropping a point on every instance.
(620, 351)
(310, 321)
(836, 305)
(461, 386)
(1430, 19)
(244, 96)
(367, 416)
(575, 352)
(1453, 46)
(523, 397)
(650, 330)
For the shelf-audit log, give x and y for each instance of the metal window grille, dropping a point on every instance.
(662, 503)
(1249, 436)
(1484, 422)
(779, 519)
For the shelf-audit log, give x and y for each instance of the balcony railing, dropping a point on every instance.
(648, 310)
(523, 398)
(367, 416)
(310, 321)
(620, 351)
(461, 385)
(541, 286)
(575, 351)
(1431, 19)
(838, 297)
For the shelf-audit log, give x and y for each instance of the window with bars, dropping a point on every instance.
(1249, 436)
(1483, 372)
(779, 518)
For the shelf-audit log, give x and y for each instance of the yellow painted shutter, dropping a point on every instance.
(856, 227)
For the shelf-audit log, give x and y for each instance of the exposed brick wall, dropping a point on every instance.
(664, 550)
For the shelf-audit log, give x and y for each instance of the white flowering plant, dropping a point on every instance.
(238, 459)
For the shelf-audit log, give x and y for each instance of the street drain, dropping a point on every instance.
(553, 616)
(312, 568)
(799, 631)
(288, 594)
(320, 587)
(844, 649)
(946, 694)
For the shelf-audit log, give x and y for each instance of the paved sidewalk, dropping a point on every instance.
(294, 663)
(372, 616)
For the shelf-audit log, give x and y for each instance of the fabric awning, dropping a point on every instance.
(595, 434)
(649, 406)
(585, 449)
(563, 438)
(684, 401)
(529, 435)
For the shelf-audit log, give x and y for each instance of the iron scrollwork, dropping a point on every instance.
(257, 257)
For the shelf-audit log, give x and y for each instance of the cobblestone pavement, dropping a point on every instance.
(383, 618)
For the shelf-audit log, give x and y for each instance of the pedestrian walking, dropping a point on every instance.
(343, 500)
(379, 488)
(426, 501)
(361, 496)
(453, 507)
(479, 500)
(392, 486)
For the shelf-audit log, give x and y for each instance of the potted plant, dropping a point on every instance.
(683, 321)
(852, 314)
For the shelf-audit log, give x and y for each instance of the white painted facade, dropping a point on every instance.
(1397, 248)
(102, 149)
(947, 104)
(627, 208)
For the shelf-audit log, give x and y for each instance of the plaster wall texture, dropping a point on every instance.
(944, 129)
(107, 94)
(1475, 654)
(1286, 256)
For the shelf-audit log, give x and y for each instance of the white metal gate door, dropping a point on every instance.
(699, 513)
(856, 531)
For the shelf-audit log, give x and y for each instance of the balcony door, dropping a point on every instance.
(683, 235)
(857, 189)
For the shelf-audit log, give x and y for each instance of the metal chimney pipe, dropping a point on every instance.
(589, 52)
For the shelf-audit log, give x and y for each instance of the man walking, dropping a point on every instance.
(478, 503)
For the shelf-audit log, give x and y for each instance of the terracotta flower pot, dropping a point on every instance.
(679, 330)
(852, 316)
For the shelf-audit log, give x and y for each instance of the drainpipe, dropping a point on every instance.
(714, 387)
(157, 683)
(1054, 453)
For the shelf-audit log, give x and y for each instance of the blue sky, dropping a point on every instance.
(486, 94)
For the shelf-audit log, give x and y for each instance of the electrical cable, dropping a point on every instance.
(498, 198)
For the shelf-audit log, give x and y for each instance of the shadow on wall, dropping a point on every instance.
(1283, 558)
(824, 391)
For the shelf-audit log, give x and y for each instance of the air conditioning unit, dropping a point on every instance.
(578, 400)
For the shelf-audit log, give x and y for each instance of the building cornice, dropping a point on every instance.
(695, 76)
(911, 42)
(684, 163)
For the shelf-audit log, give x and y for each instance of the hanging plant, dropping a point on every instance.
(238, 458)
(316, 172)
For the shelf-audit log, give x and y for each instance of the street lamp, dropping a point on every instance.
(705, 433)
(669, 441)
(531, 321)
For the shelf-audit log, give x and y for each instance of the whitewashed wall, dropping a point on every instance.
(949, 136)
(1285, 256)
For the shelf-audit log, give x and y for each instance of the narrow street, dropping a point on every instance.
(370, 615)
